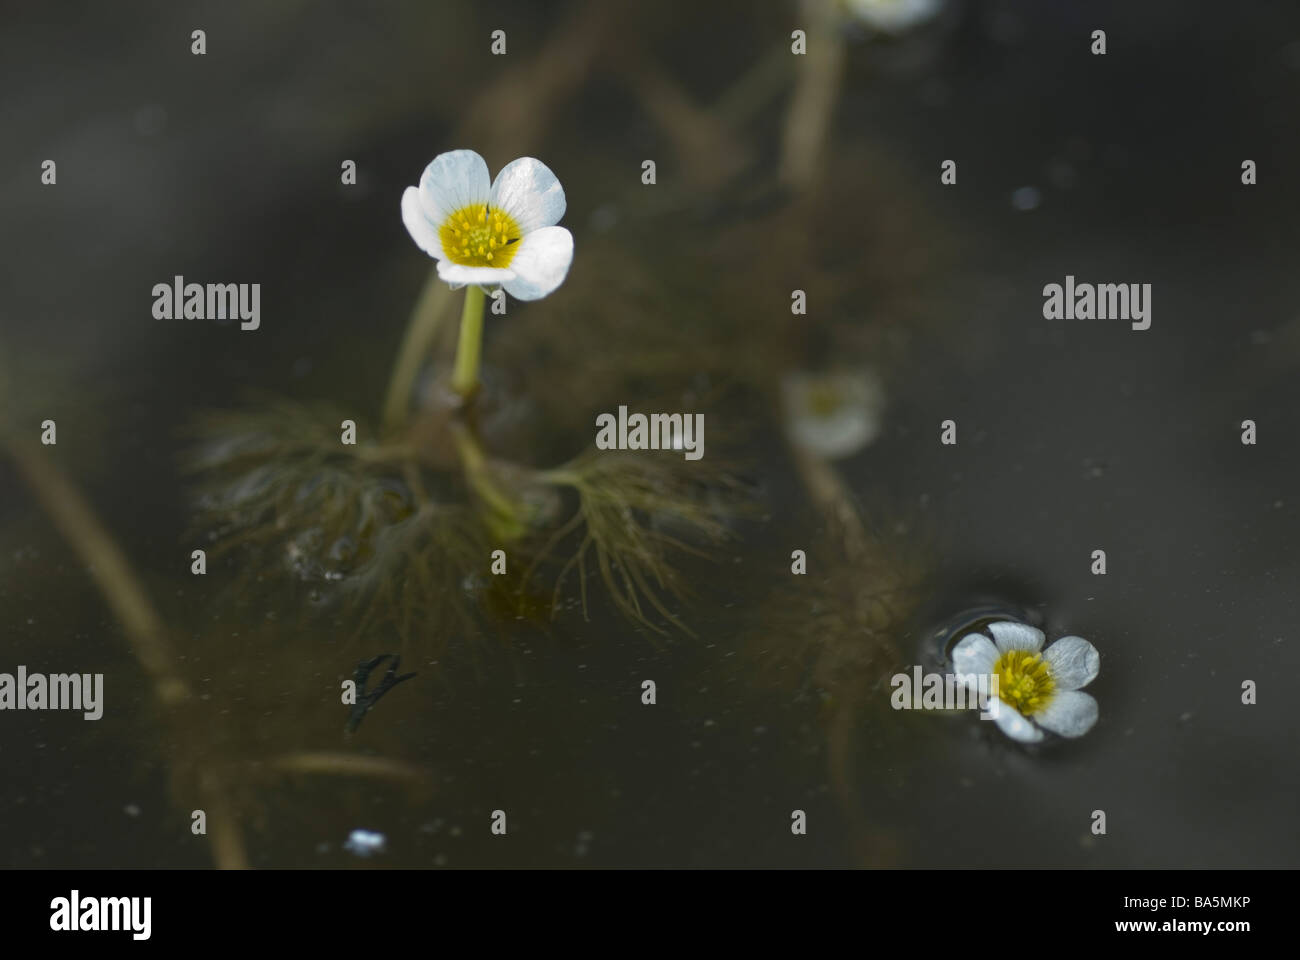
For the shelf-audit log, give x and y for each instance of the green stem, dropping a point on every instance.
(503, 514)
(420, 332)
(464, 379)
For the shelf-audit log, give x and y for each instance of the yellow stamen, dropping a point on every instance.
(475, 236)
(1024, 681)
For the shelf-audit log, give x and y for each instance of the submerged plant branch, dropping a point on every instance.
(349, 765)
(812, 107)
(74, 518)
(107, 565)
(634, 513)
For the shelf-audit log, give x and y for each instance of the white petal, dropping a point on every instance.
(1074, 662)
(1016, 636)
(1014, 725)
(452, 181)
(975, 655)
(458, 275)
(528, 191)
(894, 16)
(1070, 714)
(541, 263)
(422, 230)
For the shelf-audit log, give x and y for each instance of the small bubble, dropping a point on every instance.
(1026, 199)
(365, 843)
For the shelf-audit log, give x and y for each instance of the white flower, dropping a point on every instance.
(1037, 691)
(499, 233)
(833, 415)
(893, 16)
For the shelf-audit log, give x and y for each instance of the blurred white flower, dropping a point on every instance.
(1041, 689)
(833, 415)
(893, 16)
(491, 233)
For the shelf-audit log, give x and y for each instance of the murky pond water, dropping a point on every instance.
(772, 689)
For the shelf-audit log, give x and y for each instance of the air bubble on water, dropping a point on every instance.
(1026, 199)
(366, 843)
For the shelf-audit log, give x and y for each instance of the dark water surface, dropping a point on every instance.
(1074, 435)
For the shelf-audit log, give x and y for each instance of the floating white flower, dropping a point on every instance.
(893, 16)
(1038, 690)
(488, 233)
(833, 415)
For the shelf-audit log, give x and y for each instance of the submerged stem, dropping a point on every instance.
(122, 589)
(505, 517)
(464, 379)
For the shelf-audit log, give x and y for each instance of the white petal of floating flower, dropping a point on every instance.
(528, 191)
(540, 264)
(975, 655)
(1070, 713)
(1014, 725)
(1010, 635)
(1073, 661)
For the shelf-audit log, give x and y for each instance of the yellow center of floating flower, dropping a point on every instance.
(824, 400)
(476, 236)
(1024, 680)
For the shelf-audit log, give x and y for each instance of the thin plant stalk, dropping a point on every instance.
(108, 566)
(504, 515)
(421, 330)
(464, 378)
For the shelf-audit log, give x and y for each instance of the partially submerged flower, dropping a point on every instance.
(1038, 690)
(488, 233)
(893, 16)
(833, 415)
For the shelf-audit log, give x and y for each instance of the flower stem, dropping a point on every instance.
(464, 379)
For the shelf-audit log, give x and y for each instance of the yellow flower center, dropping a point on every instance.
(475, 236)
(823, 400)
(1024, 680)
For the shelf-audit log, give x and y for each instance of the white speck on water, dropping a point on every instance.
(365, 843)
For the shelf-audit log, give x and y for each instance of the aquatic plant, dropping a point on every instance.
(396, 524)
(499, 234)
(634, 513)
(1038, 691)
